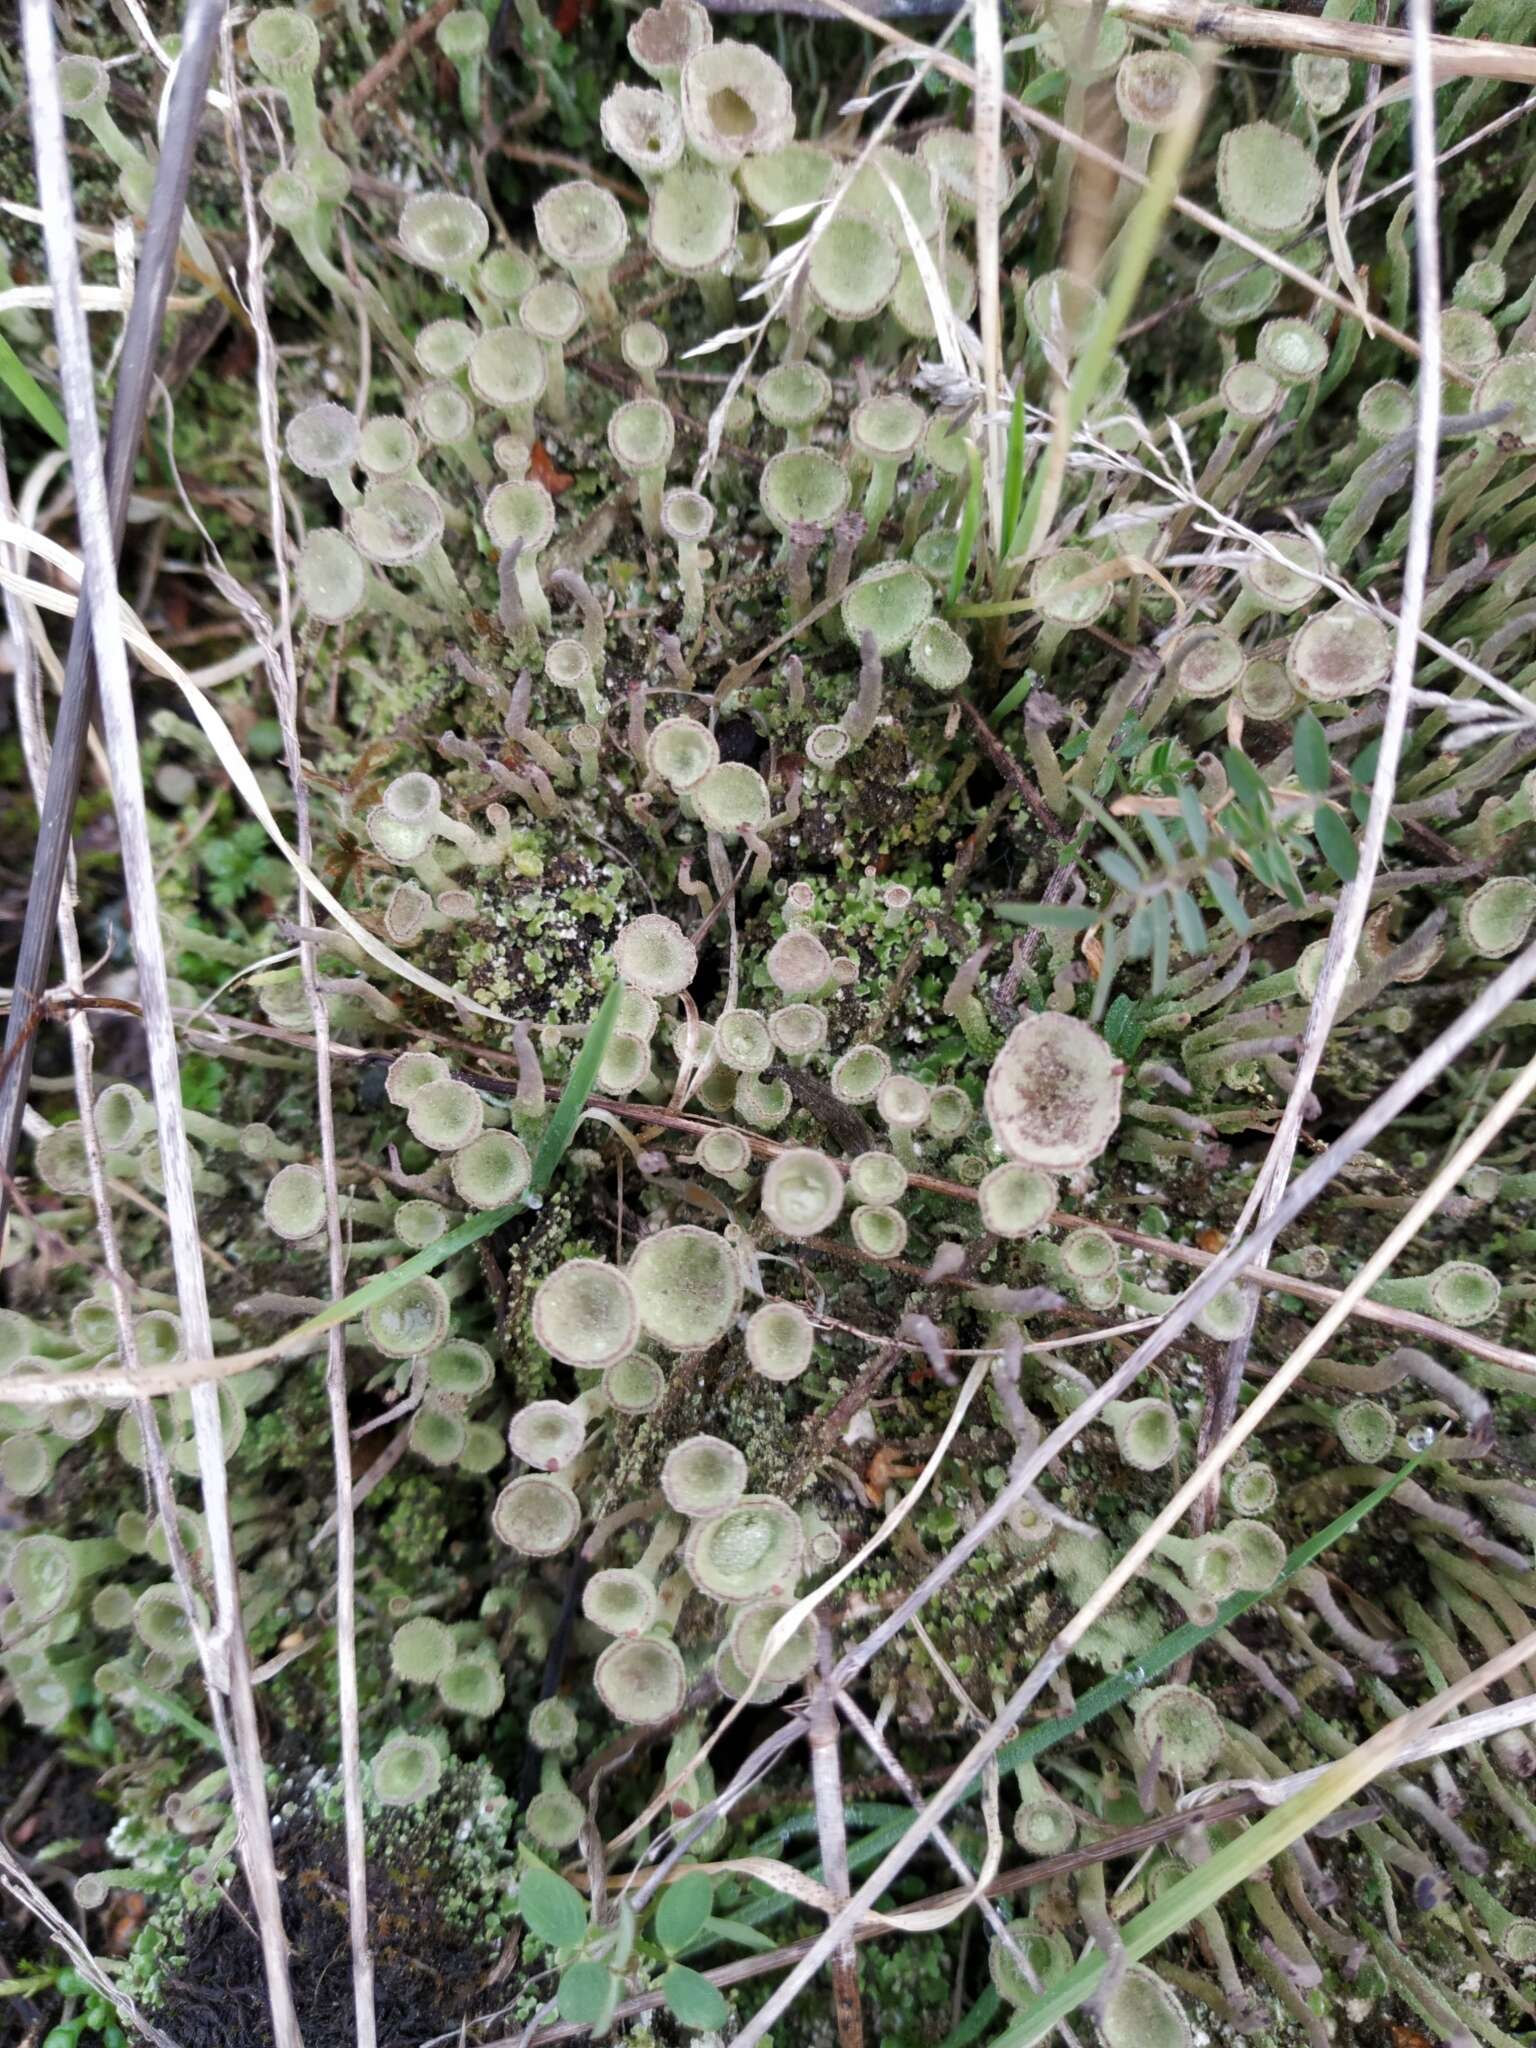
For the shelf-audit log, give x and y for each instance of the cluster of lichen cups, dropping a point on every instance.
(440, 519)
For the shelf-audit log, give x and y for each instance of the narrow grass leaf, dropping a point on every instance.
(573, 1098)
(30, 395)
(970, 524)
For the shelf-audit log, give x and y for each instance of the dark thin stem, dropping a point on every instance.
(130, 405)
(1007, 767)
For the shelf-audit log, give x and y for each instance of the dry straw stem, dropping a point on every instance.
(137, 346)
(1466, 1156)
(1031, 117)
(1482, 1726)
(1251, 542)
(787, 271)
(1355, 898)
(987, 122)
(1071, 400)
(1272, 28)
(822, 1737)
(27, 1894)
(119, 731)
(282, 676)
(1224, 1268)
(105, 1383)
(1310, 1184)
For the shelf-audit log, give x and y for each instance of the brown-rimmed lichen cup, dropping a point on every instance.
(703, 1476)
(890, 602)
(654, 955)
(1268, 180)
(853, 268)
(692, 232)
(803, 487)
(1340, 652)
(552, 313)
(641, 1682)
(1053, 1094)
(780, 1339)
(643, 127)
(794, 396)
(736, 103)
(802, 1192)
(536, 1516)
(665, 36)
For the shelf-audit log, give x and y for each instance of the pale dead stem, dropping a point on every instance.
(1181, 489)
(1276, 28)
(282, 676)
(822, 1735)
(1027, 1470)
(987, 120)
(105, 1384)
(1355, 897)
(34, 1900)
(227, 1662)
(1208, 1806)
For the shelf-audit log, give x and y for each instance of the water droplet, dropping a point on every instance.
(1135, 1674)
(1421, 1438)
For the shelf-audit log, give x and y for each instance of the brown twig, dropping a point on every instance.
(365, 98)
(1012, 773)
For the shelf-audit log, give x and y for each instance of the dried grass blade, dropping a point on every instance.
(1279, 28)
(987, 122)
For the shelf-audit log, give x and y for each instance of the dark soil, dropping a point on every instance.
(427, 1974)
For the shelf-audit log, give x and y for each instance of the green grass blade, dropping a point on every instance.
(970, 523)
(573, 1098)
(30, 395)
(1013, 472)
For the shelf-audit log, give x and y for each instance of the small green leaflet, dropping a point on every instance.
(1193, 813)
(970, 521)
(1310, 745)
(550, 1908)
(684, 1908)
(1334, 843)
(588, 1993)
(693, 1999)
(1013, 471)
(1247, 783)
(1066, 917)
